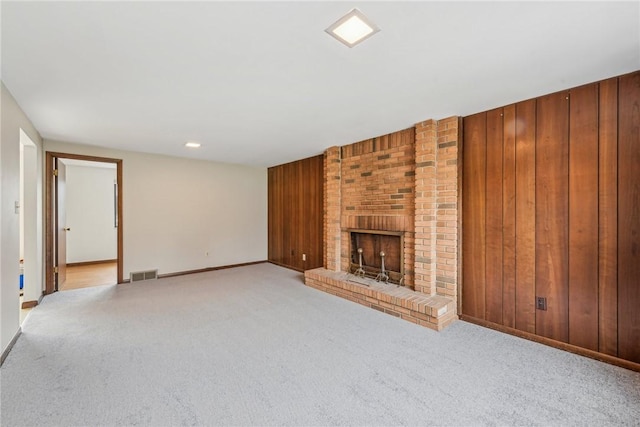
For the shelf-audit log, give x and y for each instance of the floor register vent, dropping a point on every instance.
(143, 275)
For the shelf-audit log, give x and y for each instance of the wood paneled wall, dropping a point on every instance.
(295, 198)
(551, 208)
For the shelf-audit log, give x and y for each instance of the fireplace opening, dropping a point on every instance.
(374, 247)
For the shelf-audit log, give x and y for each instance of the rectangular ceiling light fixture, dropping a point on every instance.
(352, 28)
(192, 144)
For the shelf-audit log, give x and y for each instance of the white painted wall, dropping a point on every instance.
(32, 215)
(21, 217)
(90, 214)
(12, 120)
(176, 210)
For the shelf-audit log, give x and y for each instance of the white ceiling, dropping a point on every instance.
(261, 83)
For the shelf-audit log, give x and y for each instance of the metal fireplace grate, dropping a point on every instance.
(368, 245)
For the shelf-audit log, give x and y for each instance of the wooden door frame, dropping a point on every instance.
(50, 205)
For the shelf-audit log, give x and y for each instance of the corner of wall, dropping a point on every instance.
(332, 175)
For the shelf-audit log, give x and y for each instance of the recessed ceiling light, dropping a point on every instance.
(352, 28)
(192, 145)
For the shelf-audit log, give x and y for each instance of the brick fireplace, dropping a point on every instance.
(404, 184)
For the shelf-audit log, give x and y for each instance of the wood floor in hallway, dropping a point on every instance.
(88, 275)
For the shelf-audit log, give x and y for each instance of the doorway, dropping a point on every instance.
(30, 226)
(88, 264)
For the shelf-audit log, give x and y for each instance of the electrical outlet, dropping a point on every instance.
(304, 257)
(541, 303)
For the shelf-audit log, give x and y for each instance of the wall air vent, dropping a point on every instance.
(143, 275)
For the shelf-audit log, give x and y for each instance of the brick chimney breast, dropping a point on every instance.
(407, 183)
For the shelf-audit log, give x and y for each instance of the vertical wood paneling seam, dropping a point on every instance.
(460, 204)
(515, 214)
(598, 215)
(618, 97)
(567, 212)
(502, 187)
(535, 207)
(502, 216)
(566, 280)
(486, 244)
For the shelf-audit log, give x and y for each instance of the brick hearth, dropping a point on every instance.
(404, 182)
(434, 312)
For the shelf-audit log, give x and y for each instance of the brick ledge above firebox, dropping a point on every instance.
(435, 312)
